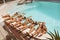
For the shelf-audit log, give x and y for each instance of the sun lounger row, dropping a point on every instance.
(26, 25)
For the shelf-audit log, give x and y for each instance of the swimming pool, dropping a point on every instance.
(48, 12)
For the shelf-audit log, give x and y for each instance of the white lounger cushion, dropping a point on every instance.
(44, 36)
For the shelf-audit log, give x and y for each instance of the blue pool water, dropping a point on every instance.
(48, 12)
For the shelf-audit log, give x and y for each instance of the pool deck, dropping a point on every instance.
(5, 6)
(4, 12)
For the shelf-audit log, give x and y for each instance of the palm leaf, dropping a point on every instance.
(55, 35)
(50, 35)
